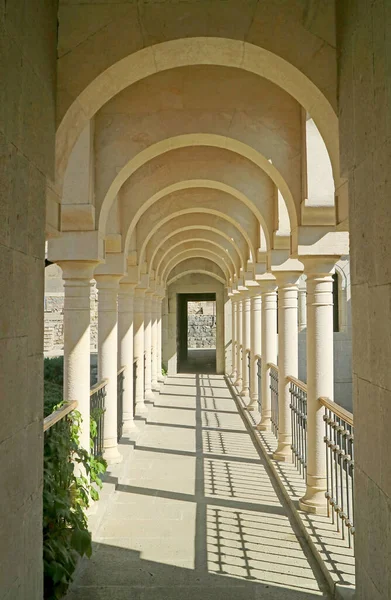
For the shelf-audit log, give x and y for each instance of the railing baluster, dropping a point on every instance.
(120, 402)
(97, 411)
(339, 441)
(298, 406)
(273, 374)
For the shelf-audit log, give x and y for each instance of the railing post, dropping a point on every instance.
(255, 346)
(246, 326)
(287, 357)
(138, 348)
(108, 286)
(159, 338)
(320, 375)
(125, 348)
(239, 322)
(268, 348)
(77, 277)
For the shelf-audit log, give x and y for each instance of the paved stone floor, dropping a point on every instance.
(199, 360)
(195, 514)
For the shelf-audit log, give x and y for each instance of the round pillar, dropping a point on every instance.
(154, 327)
(269, 350)
(234, 308)
(246, 326)
(108, 286)
(148, 395)
(125, 350)
(159, 339)
(302, 306)
(256, 348)
(138, 348)
(239, 319)
(320, 378)
(77, 277)
(287, 357)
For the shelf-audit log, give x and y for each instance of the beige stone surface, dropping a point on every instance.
(194, 512)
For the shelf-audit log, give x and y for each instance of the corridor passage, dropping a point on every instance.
(195, 515)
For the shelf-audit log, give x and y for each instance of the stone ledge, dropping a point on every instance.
(335, 558)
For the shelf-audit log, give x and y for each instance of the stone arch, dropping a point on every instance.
(206, 245)
(196, 253)
(196, 271)
(195, 51)
(197, 265)
(217, 237)
(202, 222)
(199, 140)
(201, 184)
(242, 231)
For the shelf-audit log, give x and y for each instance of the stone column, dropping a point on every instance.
(256, 347)
(287, 357)
(234, 308)
(77, 277)
(239, 319)
(302, 306)
(246, 327)
(138, 347)
(320, 376)
(159, 339)
(154, 326)
(269, 349)
(108, 286)
(125, 349)
(148, 394)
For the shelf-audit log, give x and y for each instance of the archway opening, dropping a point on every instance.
(196, 333)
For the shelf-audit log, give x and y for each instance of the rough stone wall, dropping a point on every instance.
(201, 331)
(27, 129)
(364, 38)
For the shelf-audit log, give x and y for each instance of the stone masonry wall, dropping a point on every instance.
(27, 130)
(364, 42)
(201, 331)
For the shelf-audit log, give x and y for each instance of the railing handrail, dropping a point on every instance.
(258, 356)
(300, 384)
(121, 370)
(272, 366)
(338, 410)
(98, 386)
(59, 414)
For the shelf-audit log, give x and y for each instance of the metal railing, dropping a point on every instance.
(58, 415)
(259, 378)
(273, 374)
(120, 402)
(339, 440)
(135, 367)
(248, 352)
(97, 412)
(298, 406)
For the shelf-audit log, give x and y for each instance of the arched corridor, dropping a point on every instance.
(195, 511)
(151, 149)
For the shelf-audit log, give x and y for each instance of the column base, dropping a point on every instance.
(238, 382)
(233, 375)
(129, 426)
(112, 456)
(149, 395)
(314, 500)
(141, 409)
(253, 404)
(155, 386)
(245, 393)
(264, 425)
(283, 453)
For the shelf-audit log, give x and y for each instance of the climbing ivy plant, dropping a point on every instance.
(72, 478)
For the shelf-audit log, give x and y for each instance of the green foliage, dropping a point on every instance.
(164, 371)
(53, 369)
(72, 478)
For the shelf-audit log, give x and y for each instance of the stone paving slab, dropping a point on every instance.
(194, 513)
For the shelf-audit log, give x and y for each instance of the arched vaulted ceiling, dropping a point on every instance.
(198, 141)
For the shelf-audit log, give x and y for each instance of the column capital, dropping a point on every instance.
(78, 269)
(107, 281)
(284, 278)
(126, 288)
(320, 265)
